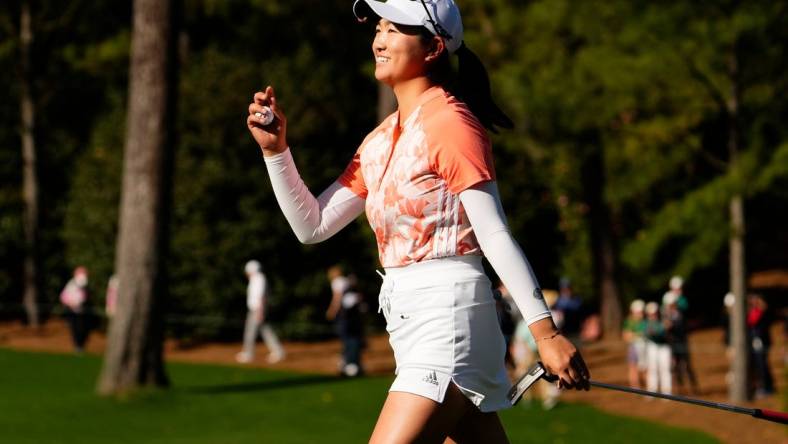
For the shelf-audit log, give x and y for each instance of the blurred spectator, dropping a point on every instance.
(634, 330)
(570, 310)
(508, 316)
(784, 321)
(256, 295)
(658, 359)
(758, 322)
(525, 353)
(345, 310)
(676, 333)
(679, 337)
(112, 296)
(727, 303)
(676, 285)
(592, 328)
(74, 298)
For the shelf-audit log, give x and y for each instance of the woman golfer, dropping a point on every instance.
(426, 180)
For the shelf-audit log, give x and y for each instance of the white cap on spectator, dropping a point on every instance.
(669, 298)
(652, 307)
(729, 299)
(252, 267)
(676, 282)
(637, 306)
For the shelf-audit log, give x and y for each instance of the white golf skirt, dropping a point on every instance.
(443, 327)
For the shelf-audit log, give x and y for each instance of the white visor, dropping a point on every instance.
(414, 13)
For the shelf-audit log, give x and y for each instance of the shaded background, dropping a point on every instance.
(622, 140)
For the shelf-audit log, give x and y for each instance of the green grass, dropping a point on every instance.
(48, 398)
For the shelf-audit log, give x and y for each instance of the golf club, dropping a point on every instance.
(537, 371)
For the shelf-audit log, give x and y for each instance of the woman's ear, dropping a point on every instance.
(435, 49)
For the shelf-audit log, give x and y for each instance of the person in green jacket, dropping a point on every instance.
(634, 330)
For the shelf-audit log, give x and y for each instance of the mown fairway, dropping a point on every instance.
(50, 398)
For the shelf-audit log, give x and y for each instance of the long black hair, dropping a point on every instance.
(469, 83)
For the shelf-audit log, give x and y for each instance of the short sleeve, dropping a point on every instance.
(352, 178)
(460, 151)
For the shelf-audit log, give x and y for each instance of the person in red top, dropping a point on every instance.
(426, 180)
(758, 323)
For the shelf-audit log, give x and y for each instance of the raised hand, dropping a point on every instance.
(272, 137)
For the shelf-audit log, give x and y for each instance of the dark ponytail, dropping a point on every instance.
(472, 86)
(469, 83)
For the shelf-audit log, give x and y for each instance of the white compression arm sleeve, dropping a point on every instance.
(312, 220)
(485, 212)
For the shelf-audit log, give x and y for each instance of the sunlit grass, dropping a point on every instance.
(51, 398)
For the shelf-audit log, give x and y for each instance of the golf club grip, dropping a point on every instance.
(771, 415)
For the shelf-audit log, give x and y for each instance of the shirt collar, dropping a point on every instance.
(428, 94)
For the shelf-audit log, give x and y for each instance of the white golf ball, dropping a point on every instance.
(266, 117)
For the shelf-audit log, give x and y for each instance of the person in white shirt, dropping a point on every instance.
(256, 293)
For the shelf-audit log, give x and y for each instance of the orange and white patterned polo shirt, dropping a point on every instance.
(411, 179)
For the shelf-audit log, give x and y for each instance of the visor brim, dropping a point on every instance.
(363, 10)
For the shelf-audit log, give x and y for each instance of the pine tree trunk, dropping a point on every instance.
(738, 391)
(610, 306)
(134, 349)
(30, 186)
(603, 247)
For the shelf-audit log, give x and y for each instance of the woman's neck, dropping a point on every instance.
(407, 94)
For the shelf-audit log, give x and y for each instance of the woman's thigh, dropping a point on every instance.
(409, 418)
(478, 427)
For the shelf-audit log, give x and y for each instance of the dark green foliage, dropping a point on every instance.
(91, 216)
(224, 210)
(644, 86)
(71, 86)
(637, 88)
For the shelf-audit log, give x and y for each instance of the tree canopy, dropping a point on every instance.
(618, 105)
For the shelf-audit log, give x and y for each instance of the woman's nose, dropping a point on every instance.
(379, 43)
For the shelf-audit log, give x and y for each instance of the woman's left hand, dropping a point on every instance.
(273, 137)
(561, 358)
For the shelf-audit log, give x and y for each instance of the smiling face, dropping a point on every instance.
(401, 54)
